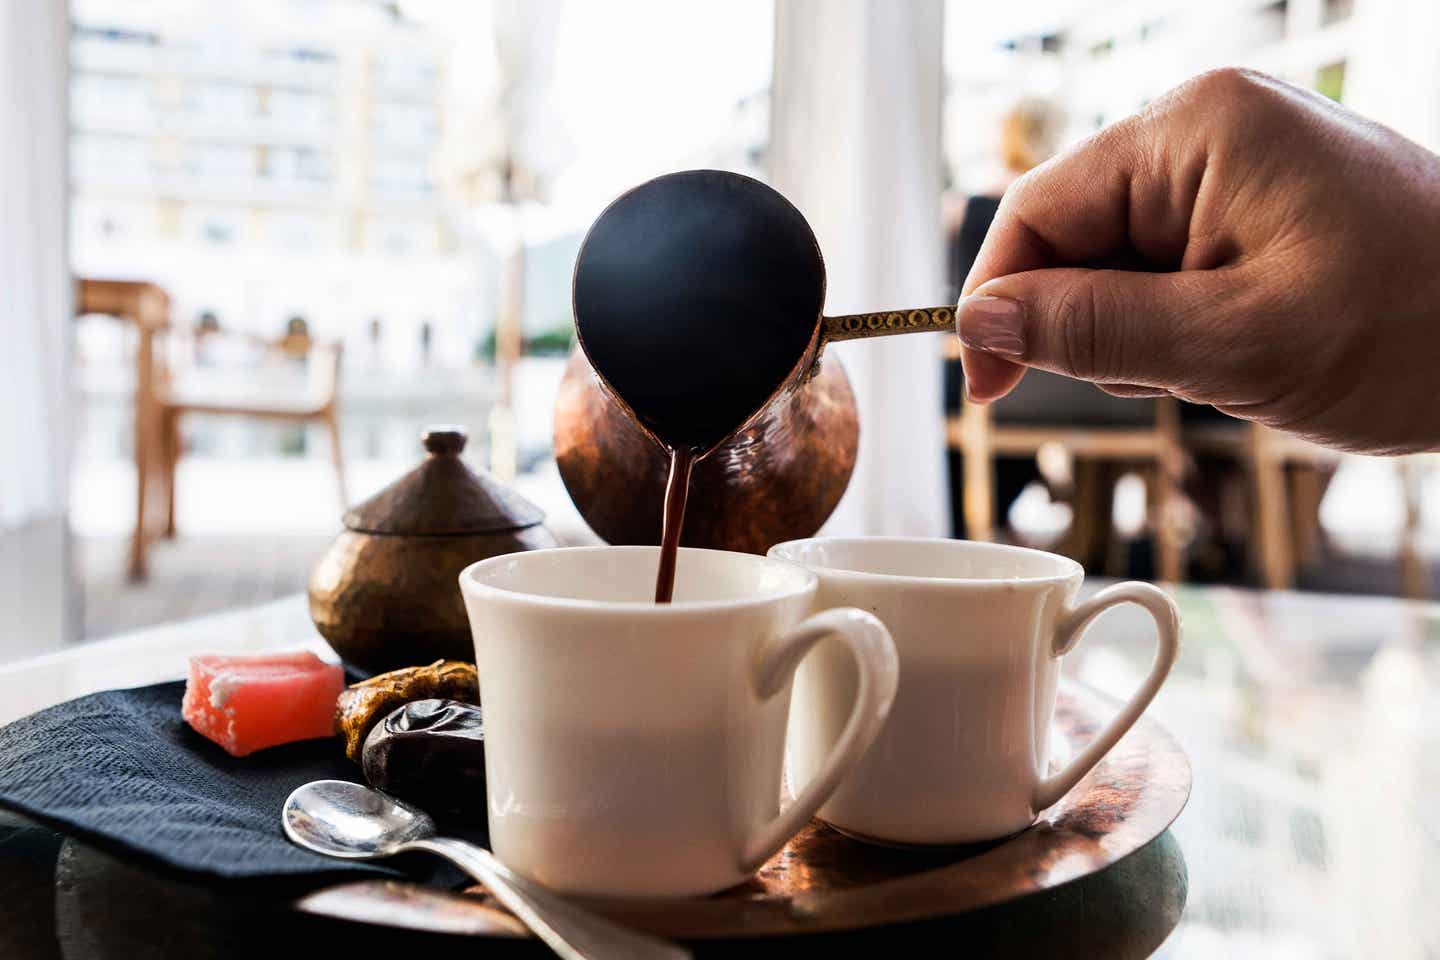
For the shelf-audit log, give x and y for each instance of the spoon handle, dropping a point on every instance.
(884, 323)
(572, 932)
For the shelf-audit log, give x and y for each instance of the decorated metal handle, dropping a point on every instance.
(857, 326)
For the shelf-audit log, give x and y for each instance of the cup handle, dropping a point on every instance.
(1068, 632)
(879, 668)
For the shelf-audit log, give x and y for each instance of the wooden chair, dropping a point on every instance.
(980, 439)
(160, 405)
(1285, 480)
(1284, 512)
(1414, 569)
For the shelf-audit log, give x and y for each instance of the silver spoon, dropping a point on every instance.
(354, 822)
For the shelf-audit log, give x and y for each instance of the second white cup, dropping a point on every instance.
(980, 629)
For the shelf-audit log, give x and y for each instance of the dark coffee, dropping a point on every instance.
(677, 494)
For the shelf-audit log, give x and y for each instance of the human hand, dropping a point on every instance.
(1278, 257)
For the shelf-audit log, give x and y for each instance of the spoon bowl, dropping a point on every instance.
(351, 821)
(337, 818)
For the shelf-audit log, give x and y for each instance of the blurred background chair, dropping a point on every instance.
(1284, 479)
(178, 374)
(1225, 500)
(1091, 440)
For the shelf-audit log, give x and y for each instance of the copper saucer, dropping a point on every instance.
(825, 882)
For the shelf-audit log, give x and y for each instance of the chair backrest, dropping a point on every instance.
(248, 365)
(1045, 399)
(322, 361)
(1050, 400)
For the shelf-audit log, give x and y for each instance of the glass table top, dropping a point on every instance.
(1312, 723)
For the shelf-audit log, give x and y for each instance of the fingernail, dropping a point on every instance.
(970, 396)
(992, 325)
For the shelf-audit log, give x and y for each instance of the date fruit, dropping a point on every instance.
(432, 754)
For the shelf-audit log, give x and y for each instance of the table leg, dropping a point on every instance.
(145, 440)
(1271, 510)
(978, 462)
(172, 464)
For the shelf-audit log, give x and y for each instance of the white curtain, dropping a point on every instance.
(855, 126)
(35, 292)
(37, 593)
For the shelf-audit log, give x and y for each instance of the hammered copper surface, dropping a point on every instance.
(777, 479)
(823, 881)
(384, 602)
(386, 594)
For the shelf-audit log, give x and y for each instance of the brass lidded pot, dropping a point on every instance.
(386, 594)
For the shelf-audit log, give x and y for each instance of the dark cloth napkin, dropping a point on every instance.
(122, 771)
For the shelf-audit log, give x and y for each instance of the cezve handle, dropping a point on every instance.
(857, 326)
(1068, 631)
(874, 652)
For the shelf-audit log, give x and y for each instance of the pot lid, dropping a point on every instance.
(443, 497)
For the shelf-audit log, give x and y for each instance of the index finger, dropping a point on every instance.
(1052, 216)
(1106, 196)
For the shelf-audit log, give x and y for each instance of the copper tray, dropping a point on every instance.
(824, 882)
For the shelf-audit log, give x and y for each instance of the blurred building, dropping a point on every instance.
(275, 134)
(281, 161)
(1102, 60)
(270, 161)
(1116, 57)
(288, 158)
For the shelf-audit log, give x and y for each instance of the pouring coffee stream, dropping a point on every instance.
(677, 493)
(698, 299)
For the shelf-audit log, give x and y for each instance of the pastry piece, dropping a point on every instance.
(248, 703)
(363, 705)
(431, 753)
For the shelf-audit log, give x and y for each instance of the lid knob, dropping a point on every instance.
(445, 441)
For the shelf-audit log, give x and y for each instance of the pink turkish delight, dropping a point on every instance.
(248, 703)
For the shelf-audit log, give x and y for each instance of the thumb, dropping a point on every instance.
(1106, 326)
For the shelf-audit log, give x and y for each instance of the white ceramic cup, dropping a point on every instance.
(980, 629)
(635, 748)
